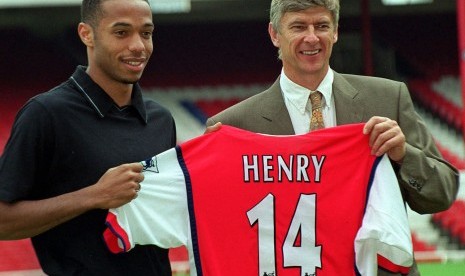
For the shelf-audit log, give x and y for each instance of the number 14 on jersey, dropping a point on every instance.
(306, 255)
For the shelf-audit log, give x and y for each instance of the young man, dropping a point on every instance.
(69, 155)
(305, 32)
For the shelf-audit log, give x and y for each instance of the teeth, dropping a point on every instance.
(134, 63)
(310, 52)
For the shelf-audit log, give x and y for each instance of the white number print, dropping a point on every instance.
(307, 255)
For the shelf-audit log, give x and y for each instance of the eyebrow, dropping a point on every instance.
(124, 24)
(297, 21)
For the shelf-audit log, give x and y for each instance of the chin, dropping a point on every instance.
(130, 80)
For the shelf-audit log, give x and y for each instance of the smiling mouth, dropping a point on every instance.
(134, 63)
(310, 53)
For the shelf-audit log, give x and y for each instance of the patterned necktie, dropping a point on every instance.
(316, 122)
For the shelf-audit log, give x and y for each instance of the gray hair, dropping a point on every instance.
(280, 7)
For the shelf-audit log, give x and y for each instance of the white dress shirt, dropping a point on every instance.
(296, 98)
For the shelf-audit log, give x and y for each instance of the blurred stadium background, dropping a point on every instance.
(210, 54)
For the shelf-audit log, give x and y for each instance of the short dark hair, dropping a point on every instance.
(92, 12)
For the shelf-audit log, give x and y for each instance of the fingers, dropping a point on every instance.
(136, 167)
(385, 137)
(383, 128)
(374, 121)
(134, 171)
(134, 174)
(119, 185)
(213, 128)
(385, 141)
(137, 178)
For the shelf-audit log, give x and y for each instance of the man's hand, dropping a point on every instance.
(213, 128)
(386, 137)
(118, 186)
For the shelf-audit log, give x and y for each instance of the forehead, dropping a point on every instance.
(126, 11)
(316, 14)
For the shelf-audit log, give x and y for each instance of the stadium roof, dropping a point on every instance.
(49, 13)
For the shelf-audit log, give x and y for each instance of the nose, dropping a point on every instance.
(310, 35)
(137, 44)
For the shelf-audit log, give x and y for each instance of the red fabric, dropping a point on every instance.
(113, 234)
(17, 255)
(336, 231)
(386, 264)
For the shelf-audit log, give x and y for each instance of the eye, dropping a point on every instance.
(147, 34)
(297, 27)
(120, 33)
(323, 26)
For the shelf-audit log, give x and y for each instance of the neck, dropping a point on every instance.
(309, 81)
(119, 92)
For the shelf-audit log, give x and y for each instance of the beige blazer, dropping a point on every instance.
(428, 183)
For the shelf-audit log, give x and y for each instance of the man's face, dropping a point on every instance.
(305, 39)
(122, 41)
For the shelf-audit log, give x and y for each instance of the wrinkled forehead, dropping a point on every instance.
(309, 15)
(280, 7)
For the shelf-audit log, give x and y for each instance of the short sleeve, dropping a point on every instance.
(384, 238)
(159, 214)
(27, 154)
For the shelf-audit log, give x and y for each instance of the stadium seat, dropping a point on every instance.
(451, 222)
(419, 245)
(449, 111)
(451, 157)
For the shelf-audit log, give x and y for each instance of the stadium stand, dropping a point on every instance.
(426, 52)
(451, 223)
(9, 105)
(442, 97)
(450, 87)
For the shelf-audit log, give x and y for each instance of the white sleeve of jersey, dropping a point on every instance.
(159, 215)
(385, 229)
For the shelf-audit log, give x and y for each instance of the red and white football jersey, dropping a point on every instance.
(251, 204)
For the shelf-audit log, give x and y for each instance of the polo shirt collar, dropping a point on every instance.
(100, 101)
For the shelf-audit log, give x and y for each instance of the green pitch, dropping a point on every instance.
(442, 269)
(426, 269)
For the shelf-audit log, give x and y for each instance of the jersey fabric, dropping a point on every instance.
(253, 204)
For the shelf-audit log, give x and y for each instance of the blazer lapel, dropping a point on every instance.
(275, 115)
(274, 111)
(346, 99)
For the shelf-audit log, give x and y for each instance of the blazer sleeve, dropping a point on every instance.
(429, 183)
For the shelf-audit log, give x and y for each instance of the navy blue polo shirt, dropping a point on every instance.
(66, 139)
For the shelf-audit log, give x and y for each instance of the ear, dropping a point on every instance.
(86, 33)
(335, 35)
(273, 35)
